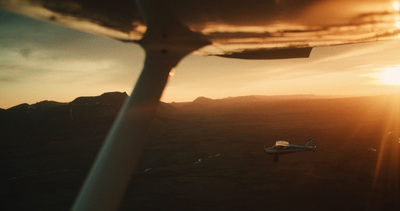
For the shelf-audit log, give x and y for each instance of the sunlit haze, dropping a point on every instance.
(391, 76)
(42, 61)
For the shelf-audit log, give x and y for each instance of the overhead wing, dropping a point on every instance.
(118, 19)
(235, 29)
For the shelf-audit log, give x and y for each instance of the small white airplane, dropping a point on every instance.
(283, 147)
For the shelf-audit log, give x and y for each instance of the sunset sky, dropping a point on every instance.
(43, 61)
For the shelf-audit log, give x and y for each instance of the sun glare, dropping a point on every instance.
(391, 76)
(396, 6)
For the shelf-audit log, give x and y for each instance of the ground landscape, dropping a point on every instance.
(208, 154)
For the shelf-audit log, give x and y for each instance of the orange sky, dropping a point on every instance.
(42, 61)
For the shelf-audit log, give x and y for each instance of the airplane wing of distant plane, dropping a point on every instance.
(168, 30)
(281, 144)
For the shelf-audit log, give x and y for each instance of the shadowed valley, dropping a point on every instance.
(208, 154)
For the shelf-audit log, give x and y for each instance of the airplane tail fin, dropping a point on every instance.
(311, 145)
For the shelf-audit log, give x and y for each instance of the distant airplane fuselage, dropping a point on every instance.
(283, 147)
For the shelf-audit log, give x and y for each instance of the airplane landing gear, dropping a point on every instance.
(276, 158)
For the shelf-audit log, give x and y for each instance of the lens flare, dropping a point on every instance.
(387, 169)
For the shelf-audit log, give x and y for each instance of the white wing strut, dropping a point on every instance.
(166, 42)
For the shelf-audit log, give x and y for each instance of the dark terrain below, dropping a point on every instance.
(208, 154)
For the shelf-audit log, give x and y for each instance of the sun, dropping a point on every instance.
(391, 76)
(396, 6)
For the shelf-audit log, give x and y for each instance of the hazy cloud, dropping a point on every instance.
(6, 79)
(25, 52)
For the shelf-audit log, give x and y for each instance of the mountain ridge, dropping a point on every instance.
(116, 96)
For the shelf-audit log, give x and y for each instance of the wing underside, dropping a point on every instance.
(270, 29)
